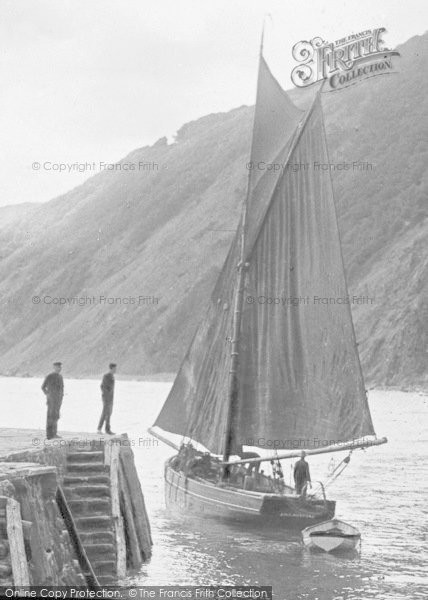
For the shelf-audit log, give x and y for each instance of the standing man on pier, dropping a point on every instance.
(107, 392)
(53, 388)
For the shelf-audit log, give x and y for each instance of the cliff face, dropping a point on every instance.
(139, 250)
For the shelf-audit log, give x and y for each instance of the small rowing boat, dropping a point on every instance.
(331, 536)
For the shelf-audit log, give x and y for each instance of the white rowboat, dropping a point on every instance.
(331, 536)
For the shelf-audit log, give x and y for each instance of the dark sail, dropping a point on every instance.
(275, 120)
(197, 403)
(274, 129)
(299, 374)
(300, 380)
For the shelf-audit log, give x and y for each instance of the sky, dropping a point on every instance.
(91, 80)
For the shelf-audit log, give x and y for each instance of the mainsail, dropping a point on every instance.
(299, 376)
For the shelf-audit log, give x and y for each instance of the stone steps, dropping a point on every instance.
(90, 506)
(97, 479)
(97, 537)
(93, 523)
(106, 580)
(87, 469)
(104, 567)
(85, 456)
(96, 552)
(87, 490)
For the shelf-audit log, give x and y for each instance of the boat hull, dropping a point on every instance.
(331, 536)
(196, 497)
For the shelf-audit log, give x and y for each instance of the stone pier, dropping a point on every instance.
(81, 513)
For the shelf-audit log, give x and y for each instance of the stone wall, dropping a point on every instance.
(50, 555)
(102, 493)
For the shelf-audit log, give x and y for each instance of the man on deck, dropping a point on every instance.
(107, 392)
(53, 388)
(302, 477)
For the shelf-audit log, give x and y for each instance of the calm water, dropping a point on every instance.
(382, 492)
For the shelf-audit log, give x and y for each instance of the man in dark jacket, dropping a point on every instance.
(107, 392)
(302, 476)
(53, 388)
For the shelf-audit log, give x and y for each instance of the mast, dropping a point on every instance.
(233, 387)
(242, 265)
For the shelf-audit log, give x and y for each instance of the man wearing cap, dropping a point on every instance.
(53, 388)
(302, 476)
(107, 392)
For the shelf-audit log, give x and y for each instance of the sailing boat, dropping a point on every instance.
(260, 371)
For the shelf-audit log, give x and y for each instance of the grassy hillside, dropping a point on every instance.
(163, 233)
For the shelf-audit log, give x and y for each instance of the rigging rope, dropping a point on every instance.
(277, 472)
(336, 472)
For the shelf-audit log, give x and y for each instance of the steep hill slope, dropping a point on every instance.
(161, 232)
